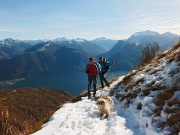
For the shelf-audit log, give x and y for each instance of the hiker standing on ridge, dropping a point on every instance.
(104, 69)
(92, 69)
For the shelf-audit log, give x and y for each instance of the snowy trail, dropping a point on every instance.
(82, 118)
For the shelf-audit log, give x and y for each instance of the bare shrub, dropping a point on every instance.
(147, 91)
(148, 53)
(139, 106)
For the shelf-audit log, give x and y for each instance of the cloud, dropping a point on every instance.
(8, 30)
(127, 18)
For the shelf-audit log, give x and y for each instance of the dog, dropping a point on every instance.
(104, 104)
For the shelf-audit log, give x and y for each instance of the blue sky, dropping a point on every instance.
(89, 19)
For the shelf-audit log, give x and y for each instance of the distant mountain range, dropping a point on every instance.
(165, 40)
(43, 58)
(24, 58)
(127, 53)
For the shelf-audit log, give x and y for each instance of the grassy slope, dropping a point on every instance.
(24, 110)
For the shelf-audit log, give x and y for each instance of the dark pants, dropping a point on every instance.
(90, 80)
(102, 77)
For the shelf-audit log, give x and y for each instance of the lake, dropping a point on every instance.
(74, 83)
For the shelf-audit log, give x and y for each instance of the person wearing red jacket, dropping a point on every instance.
(92, 69)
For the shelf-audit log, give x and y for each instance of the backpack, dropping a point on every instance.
(107, 67)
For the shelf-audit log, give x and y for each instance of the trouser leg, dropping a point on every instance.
(89, 86)
(104, 79)
(89, 90)
(101, 80)
(94, 84)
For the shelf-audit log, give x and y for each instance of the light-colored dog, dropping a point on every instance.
(104, 104)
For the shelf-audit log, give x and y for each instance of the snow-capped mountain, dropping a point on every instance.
(63, 39)
(14, 42)
(44, 58)
(34, 42)
(125, 53)
(82, 44)
(146, 102)
(10, 47)
(47, 57)
(146, 33)
(104, 43)
(60, 40)
(165, 40)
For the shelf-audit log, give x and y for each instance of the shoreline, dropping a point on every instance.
(10, 82)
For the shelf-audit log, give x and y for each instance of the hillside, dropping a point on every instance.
(24, 110)
(154, 92)
(146, 102)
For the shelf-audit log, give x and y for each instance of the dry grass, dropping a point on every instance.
(173, 120)
(164, 96)
(147, 91)
(169, 55)
(157, 111)
(175, 47)
(25, 110)
(174, 114)
(127, 80)
(128, 77)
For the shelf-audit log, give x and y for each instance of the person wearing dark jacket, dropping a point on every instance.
(92, 69)
(104, 69)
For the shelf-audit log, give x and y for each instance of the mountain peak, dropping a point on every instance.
(101, 38)
(169, 34)
(79, 40)
(60, 39)
(146, 33)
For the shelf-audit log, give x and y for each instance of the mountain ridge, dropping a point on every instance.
(46, 56)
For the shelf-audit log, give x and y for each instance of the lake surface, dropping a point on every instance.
(74, 83)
